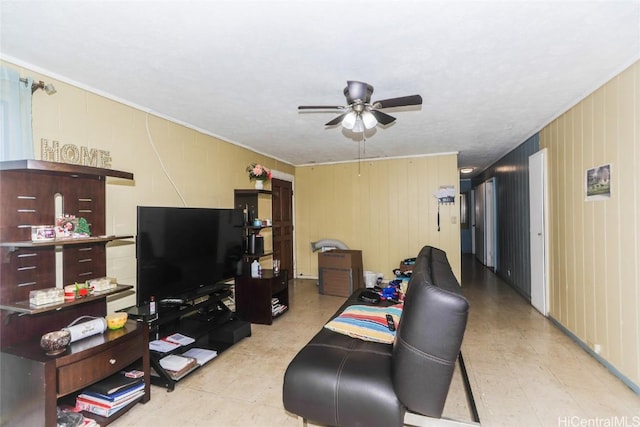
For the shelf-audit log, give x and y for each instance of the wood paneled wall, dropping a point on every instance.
(386, 208)
(595, 245)
(512, 198)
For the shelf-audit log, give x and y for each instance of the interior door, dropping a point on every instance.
(473, 221)
(538, 230)
(282, 225)
(479, 218)
(489, 223)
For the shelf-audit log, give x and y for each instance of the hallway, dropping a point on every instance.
(525, 371)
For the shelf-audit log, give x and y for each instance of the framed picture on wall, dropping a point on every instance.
(598, 183)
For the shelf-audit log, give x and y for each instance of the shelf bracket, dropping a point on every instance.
(6, 317)
(8, 251)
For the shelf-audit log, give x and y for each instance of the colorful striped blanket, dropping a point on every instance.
(367, 323)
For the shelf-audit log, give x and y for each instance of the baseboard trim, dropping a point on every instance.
(633, 386)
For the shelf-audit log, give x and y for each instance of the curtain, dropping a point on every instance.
(16, 134)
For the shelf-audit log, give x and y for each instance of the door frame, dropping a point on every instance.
(479, 222)
(490, 225)
(472, 207)
(539, 230)
(283, 176)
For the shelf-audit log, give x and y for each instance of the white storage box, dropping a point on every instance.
(46, 296)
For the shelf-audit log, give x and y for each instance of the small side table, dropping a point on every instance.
(260, 300)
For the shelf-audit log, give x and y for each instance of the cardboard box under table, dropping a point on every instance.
(340, 272)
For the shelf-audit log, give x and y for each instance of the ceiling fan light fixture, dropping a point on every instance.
(369, 120)
(359, 126)
(360, 113)
(349, 120)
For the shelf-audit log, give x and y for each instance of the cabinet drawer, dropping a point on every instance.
(80, 374)
(279, 283)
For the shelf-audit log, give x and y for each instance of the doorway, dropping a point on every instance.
(490, 224)
(539, 239)
(478, 209)
(484, 242)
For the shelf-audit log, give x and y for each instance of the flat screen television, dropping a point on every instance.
(186, 252)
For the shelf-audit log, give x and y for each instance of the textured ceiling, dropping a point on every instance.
(491, 73)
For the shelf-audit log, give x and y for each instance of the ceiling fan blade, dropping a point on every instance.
(383, 118)
(358, 90)
(320, 107)
(398, 102)
(337, 120)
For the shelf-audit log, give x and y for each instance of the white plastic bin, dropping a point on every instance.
(371, 278)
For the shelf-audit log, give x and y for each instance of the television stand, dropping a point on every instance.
(215, 316)
(172, 302)
(255, 297)
(206, 319)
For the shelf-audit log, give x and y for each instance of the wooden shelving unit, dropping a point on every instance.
(254, 296)
(29, 190)
(250, 199)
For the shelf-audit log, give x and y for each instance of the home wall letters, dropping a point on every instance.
(70, 153)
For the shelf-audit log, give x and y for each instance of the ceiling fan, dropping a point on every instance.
(361, 113)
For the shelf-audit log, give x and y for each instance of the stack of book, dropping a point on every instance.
(201, 355)
(277, 307)
(170, 343)
(178, 366)
(107, 397)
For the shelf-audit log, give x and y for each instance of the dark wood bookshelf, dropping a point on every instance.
(33, 383)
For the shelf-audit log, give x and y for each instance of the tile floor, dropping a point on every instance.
(523, 370)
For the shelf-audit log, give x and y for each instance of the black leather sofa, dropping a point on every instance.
(342, 381)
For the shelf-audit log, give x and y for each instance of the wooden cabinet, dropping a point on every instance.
(255, 296)
(30, 190)
(33, 384)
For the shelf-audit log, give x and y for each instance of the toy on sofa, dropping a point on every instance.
(391, 292)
